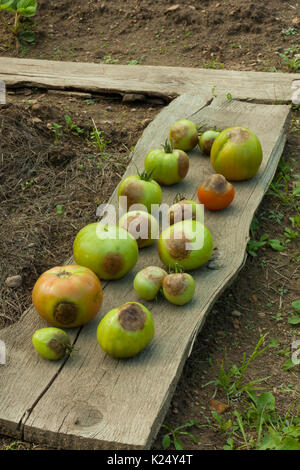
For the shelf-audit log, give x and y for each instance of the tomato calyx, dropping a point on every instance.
(167, 146)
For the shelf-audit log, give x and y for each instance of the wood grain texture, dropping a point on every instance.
(93, 401)
(164, 81)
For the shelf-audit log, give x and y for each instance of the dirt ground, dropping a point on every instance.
(52, 189)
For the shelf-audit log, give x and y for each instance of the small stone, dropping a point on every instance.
(13, 281)
(172, 8)
(236, 313)
(132, 97)
(261, 314)
(36, 120)
(219, 406)
(295, 20)
(175, 411)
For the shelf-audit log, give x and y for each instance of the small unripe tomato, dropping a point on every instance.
(207, 139)
(51, 343)
(184, 210)
(125, 331)
(142, 226)
(216, 193)
(183, 134)
(168, 165)
(148, 282)
(139, 189)
(178, 288)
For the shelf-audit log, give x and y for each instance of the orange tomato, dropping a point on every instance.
(67, 296)
(216, 193)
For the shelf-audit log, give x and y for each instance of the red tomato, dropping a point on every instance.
(67, 296)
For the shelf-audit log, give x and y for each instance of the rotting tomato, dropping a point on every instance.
(183, 135)
(167, 165)
(142, 226)
(52, 343)
(139, 189)
(207, 139)
(187, 245)
(184, 210)
(178, 288)
(125, 331)
(216, 193)
(109, 251)
(236, 154)
(67, 296)
(148, 282)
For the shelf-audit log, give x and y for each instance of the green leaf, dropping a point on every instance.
(276, 245)
(4, 4)
(296, 191)
(294, 320)
(296, 305)
(59, 209)
(25, 8)
(177, 443)
(166, 441)
(26, 37)
(289, 443)
(289, 364)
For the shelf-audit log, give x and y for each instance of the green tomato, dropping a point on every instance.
(51, 343)
(107, 250)
(167, 166)
(178, 288)
(142, 226)
(187, 245)
(125, 331)
(183, 135)
(207, 139)
(139, 189)
(148, 282)
(184, 210)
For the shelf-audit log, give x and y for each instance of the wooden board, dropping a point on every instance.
(166, 82)
(96, 402)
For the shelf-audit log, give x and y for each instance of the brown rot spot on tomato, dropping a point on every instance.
(238, 135)
(63, 274)
(57, 345)
(134, 192)
(177, 247)
(65, 312)
(183, 164)
(180, 211)
(175, 284)
(113, 263)
(216, 183)
(132, 317)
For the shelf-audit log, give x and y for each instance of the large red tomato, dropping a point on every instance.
(67, 296)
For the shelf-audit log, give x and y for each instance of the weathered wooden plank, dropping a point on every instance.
(164, 81)
(25, 376)
(98, 402)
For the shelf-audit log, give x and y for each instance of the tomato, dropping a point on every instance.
(207, 139)
(216, 192)
(236, 154)
(178, 288)
(51, 343)
(183, 135)
(139, 189)
(148, 282)
(67, 296)
(142, 226)
(107, 250)
(125, 331)
(187, 244)
(167, 166)
(184, 210)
